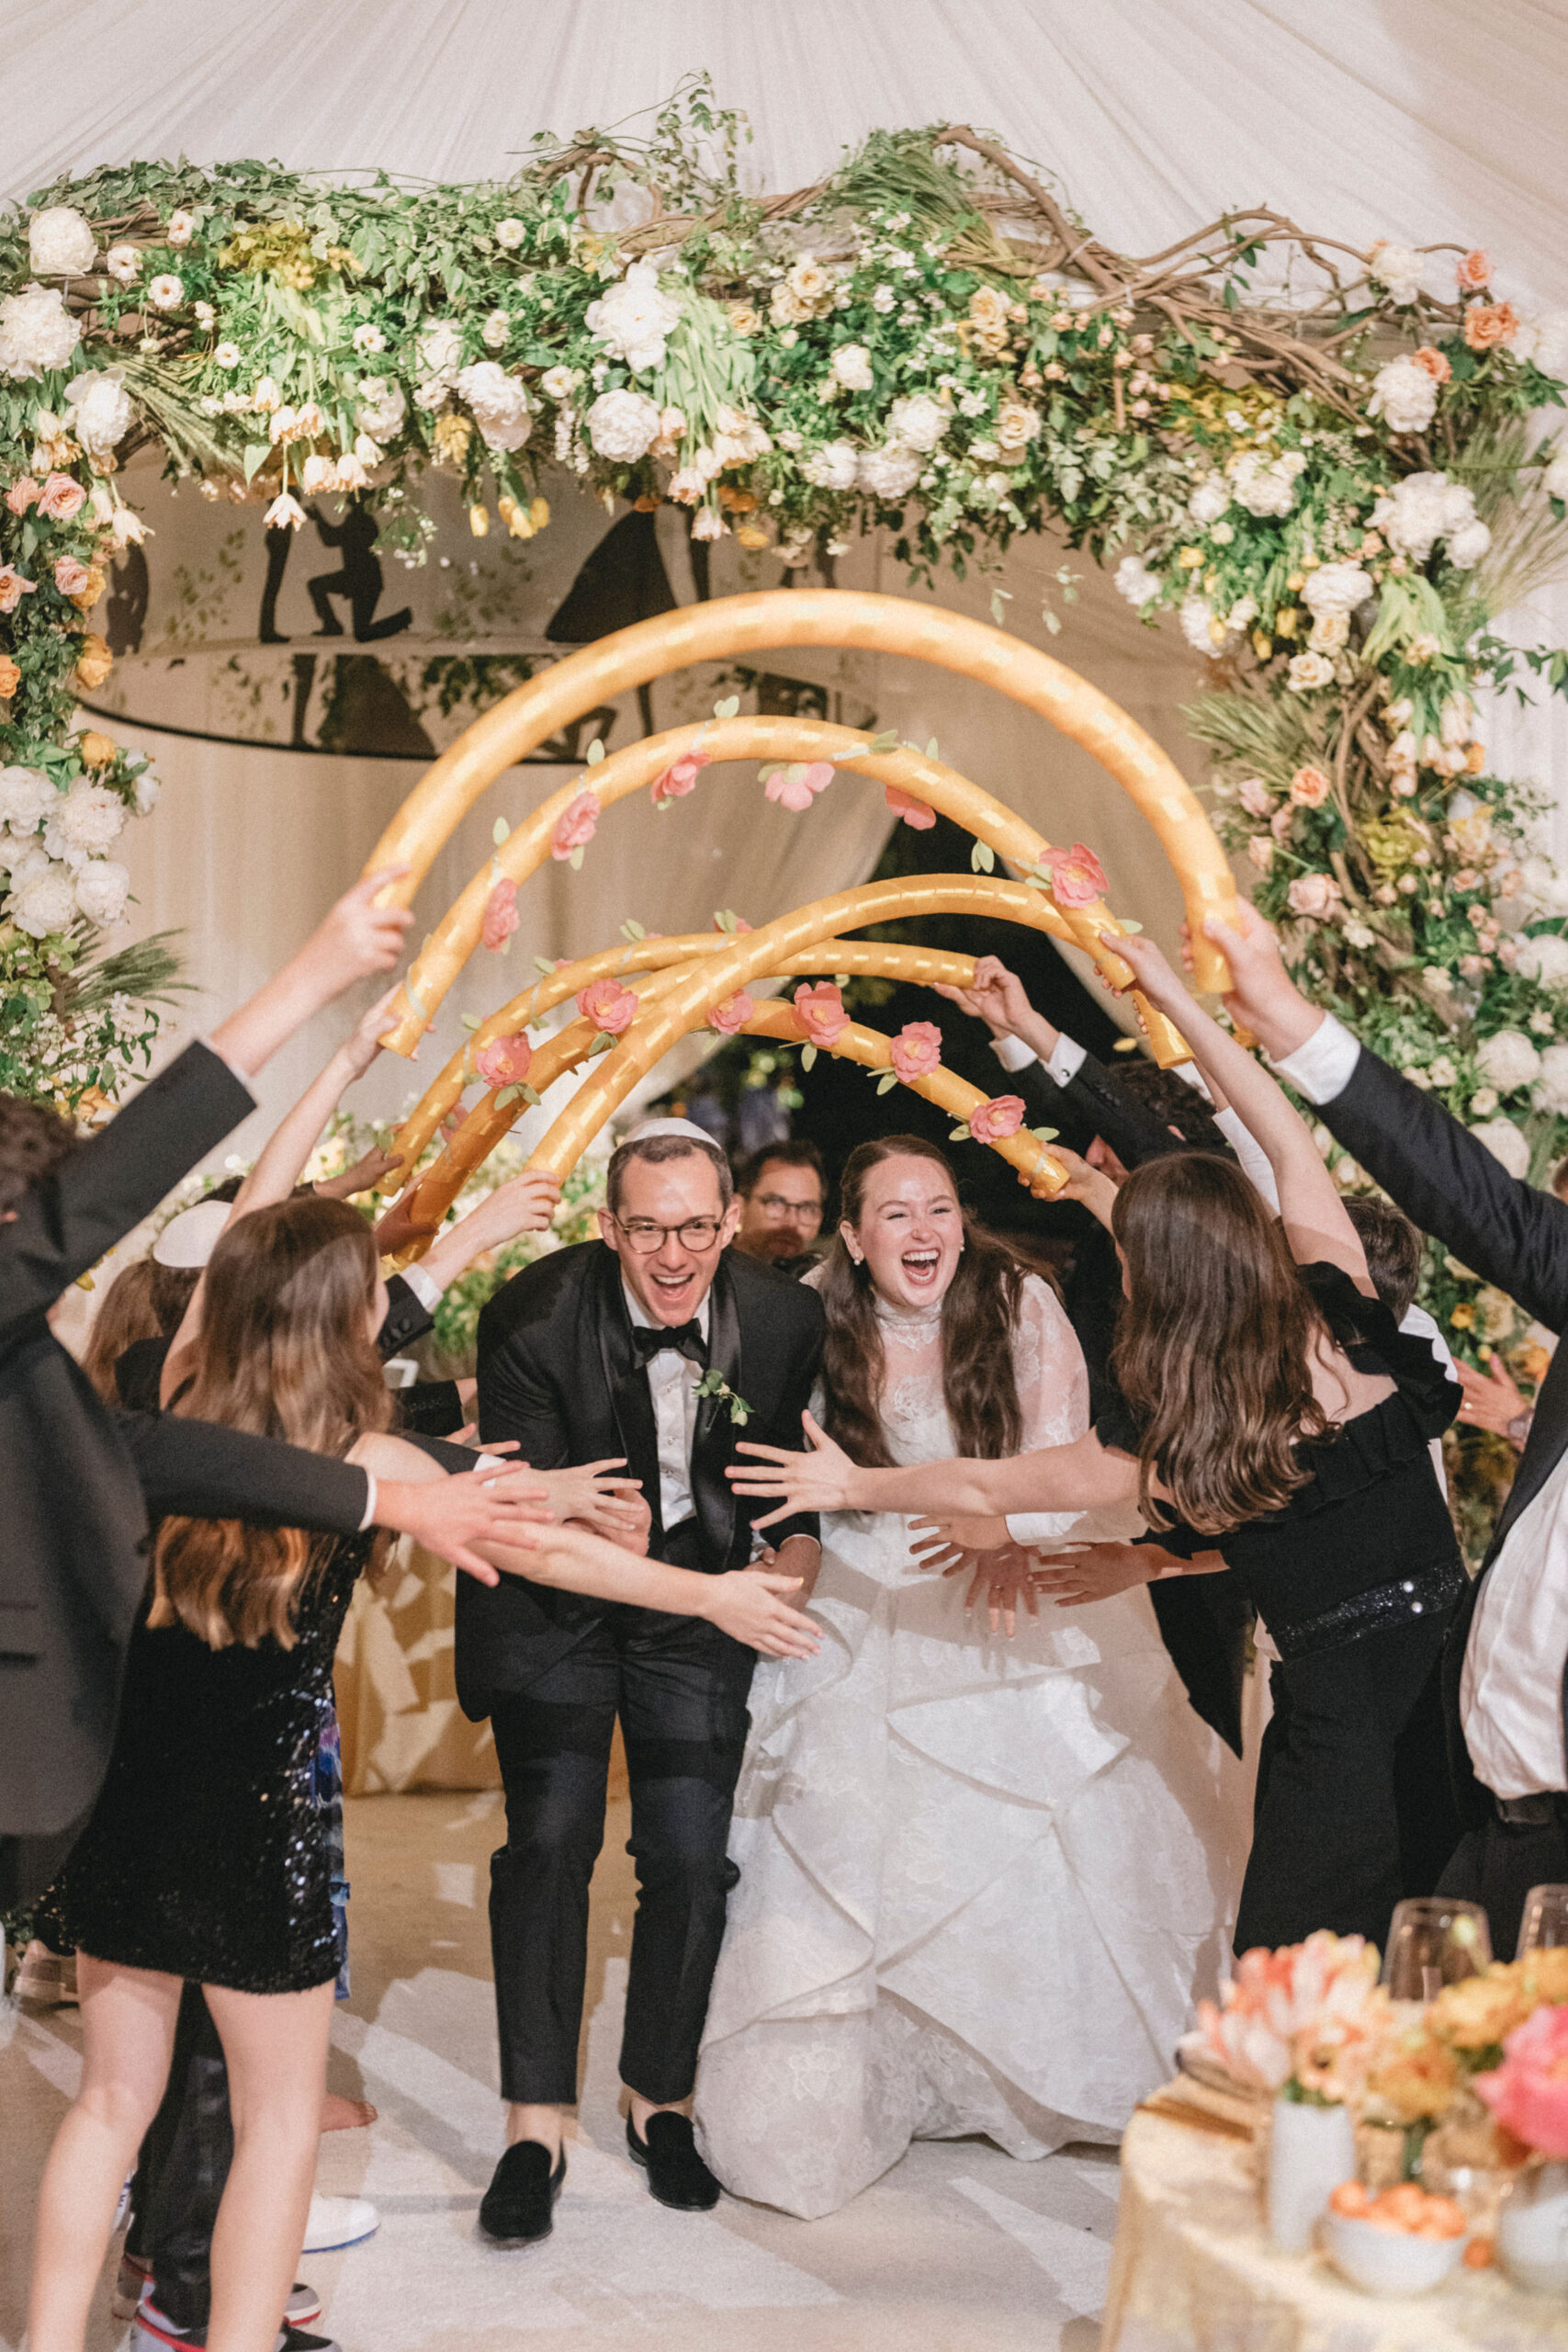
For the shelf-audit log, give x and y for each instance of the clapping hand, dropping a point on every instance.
(820, 1480)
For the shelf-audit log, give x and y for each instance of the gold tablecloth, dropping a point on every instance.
(1192, 2270)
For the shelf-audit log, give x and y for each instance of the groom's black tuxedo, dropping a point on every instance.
(561, 1371)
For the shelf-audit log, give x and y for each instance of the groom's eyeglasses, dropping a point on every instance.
(698, 1233)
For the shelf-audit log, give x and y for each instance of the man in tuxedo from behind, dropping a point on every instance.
(648, 1345)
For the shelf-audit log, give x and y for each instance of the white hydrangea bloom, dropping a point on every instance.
(83, 822)
(1338, 588)
(1543, 886)
(104, 409)
(439, 351)
(1508, 1060)
(1197, 618)
(1208, 501)
(381, 409)
(1136, 581)
(44, 902)
(1544, 958)
(148, 790)
(623, 425)
(26, 796)
(1503, 1140)
(1397, 269)
(37, 334)
(1264, 487)
(1543, 341)
(1467, 547)
(500, 404)
(634, 318)
(918, 421)
(1551, 1094)
(890, 472)
(102, 888)
(1405, 396)
(61, 243)
(1421, 510)
(833, 466)
(852, 368)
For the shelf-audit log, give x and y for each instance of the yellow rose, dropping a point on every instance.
(1417, 2078)
(96, 751)
(1478, 2012)
(92, 664)
(989, 319)
(86, 598)
(10, 677)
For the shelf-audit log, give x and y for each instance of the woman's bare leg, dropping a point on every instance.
(128, 2032)
(276, 2048)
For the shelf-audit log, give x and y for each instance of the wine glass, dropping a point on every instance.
(1433, 1941)
(1545, 1923)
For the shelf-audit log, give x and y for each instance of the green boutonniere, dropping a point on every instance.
(714, 1383)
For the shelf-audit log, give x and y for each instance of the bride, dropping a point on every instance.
(983, 1879)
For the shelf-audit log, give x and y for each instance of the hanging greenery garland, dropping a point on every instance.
(1323, 461)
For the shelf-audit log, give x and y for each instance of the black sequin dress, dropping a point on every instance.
(208, 1854)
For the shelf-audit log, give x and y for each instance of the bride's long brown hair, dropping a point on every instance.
(1214, 1343)
(977, 1318)
(285, 1351)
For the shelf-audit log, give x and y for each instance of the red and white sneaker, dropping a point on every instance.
(132, 2278)
(154, 2328)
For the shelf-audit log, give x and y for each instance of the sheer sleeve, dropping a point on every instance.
(1053, 1396)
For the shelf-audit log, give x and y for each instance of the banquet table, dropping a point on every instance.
(1192, 2270)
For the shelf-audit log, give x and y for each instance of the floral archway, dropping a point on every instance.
(1327, 463)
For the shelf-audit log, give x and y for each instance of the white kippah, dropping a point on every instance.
(191, 1239)
(651, 1127)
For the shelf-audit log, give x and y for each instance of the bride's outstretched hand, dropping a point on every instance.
(816, 1481)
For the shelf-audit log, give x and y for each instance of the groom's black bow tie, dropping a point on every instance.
(686, 1338)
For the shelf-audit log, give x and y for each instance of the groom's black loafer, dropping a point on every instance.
(519, 2205)
(676, 2174)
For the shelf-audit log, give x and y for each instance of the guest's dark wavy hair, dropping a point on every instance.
(978, 1315)
(284, 1351)
(1214, 1344)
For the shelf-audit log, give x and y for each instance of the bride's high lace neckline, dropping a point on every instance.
(907, 1327)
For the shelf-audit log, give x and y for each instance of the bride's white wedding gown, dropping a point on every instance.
(982, 1881)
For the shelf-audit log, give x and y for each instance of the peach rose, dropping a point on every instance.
(796, 786)
(1077, 878)
(21, 494)
(575, 825)
(1310, 788)
(93, 663)
(499, 916)
(13, 587)
(72, 577)
(992, 1122)
(732, 1015)
(61, 498)
(10, 677)
(679, 776)
(505, 1061)
(1434, 362)
(1489, 323)
(914, 812)
(608, 1005)
(917, 1050)
(1315, 895)
(96, 751)
(1473, 272)
(821, 1012)
(1255, 796)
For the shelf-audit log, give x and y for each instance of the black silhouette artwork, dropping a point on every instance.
(279, 544)
(130, 588)
(623, 580)
(360, 579)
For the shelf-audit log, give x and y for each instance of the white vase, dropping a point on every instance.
(1532, 2230)
(1311, 2151)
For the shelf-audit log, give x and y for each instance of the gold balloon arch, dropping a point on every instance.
(688, 978)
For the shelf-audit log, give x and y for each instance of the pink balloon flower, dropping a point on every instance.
(1077, 878)
(914, 812)
(794, 787)
(821, 1012)
(608, 1005)
(917, 1050)
(733, 1013)
(505, 1061)
(992, 1122)
(501, 915)
(679, 776)
(575, 825)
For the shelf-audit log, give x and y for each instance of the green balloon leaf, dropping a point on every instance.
(808, 1056)
(982, 857)
(500, 832)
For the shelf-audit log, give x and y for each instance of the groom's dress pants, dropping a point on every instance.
(679, 1688)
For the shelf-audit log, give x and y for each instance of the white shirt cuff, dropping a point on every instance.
(1321, 1068)
(1062, 1063)
(1012, 1053)
(370, 1498)
(1255, 1165)
(424, 1287)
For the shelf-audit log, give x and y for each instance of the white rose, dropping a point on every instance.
(61, 243)
(1016, 426)
(1504, 1142)
(500, 402)
(1330, 633)
(227, 354)
(633, 319)
(918, 421)
(26, 796)
(1306, 672)
(167, 291)
(623, 425)
(1508, 1060)
(1544, 958)
(510, 233)
(123, 264)
(148, 792)
(834, 467)
(890, 472)
(1467, 547)
(1421, 510)
(1543, 341)
(1337, 588)
(440, 352)
(1551, 1094)
(369, 337)
(852, 368)
(105, 411)
(37, 334)
(1484, 1101)
(1261, 487)
(1208, 501)
(555, 383)
(381, 409)
(1405, 396)
(495, 329)
(83, 822)
(182, 228)
(101, 889)
(1136, 581)
(45, 902)
(1199, 625)
(1396, 268)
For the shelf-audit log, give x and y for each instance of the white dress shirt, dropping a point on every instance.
(1511, 1688)
(672, 1383)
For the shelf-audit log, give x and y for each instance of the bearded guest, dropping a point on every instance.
(783, 1193)
(655, 1348)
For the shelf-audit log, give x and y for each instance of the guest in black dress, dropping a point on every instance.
(1274, 1419)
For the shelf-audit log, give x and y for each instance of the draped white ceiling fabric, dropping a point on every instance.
(1413, 119)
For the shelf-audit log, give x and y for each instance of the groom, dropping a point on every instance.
(648, 1345)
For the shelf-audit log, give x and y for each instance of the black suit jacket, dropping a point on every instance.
(1514, 1236)
(77, 1478)
(557, 1373)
